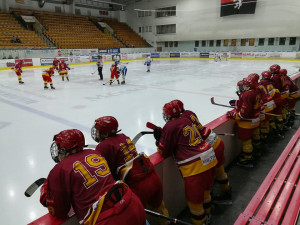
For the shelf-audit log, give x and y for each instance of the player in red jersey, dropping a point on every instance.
(114, 73)
(55, 64)
(247, 116)
(218, 145)
(63, 70)
(294, 94)
(18, 70)
(194, 157)
(82, 180)
(279, 83)
(269, 121)
(126, 164)
(47, 77)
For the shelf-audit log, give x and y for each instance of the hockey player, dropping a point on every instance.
(123, 72)
(18, 70)
(63, 70)
(194, 157)
(81, 180)
(247, 116)
(116, 59)
(279, 83)
(126, 164)
(294, 94)
(218, 145)
(100, 66)
(114, 73)
(148, 63)
(55, 64)
(217, 57)
(47, 77)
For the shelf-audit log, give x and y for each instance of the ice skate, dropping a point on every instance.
(247, 163)
(46, 87)
(21, 82)
(225, 198)
(52, 87)
(123, 82)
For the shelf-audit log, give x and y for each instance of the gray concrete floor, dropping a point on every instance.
(245, 182)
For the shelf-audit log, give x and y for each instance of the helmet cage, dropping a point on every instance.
(55, 150)
(96, 134)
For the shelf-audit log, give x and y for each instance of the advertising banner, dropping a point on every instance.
(113, 50)
(185, 54)
(232, 7)
(174, 54)
(155, 55)
(204, 55)
(248, 55)
(236, 55)
(49, 61)
(102, 51)
(261, 55)
(26, 62)
(164, 54)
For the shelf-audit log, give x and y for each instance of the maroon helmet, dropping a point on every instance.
(104, 127)
(179, 104)
(170, 110)
(67, 141)
(274, 69)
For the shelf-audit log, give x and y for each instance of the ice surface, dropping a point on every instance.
(30, 115)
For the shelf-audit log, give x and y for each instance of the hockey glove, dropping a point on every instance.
(157, 133)
(231, 114)
(43, 196)
(232, 102)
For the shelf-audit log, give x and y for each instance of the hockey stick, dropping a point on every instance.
(153, 126)
(108, 81)
(214, 103)
(226, 134)
(94, 72)
(139, 135)
(33, 187)
(173, 220)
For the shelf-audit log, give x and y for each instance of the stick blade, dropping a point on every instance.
(33, 187)
(212, 100)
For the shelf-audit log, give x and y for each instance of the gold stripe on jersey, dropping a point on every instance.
(196, 168)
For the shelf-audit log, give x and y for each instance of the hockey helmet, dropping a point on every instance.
(266, 75)
(170, 111)
(283, 72)
(65, 142)
(254, 76)
(179, 104)
(274, 69)
(104, 127)
(249, 82)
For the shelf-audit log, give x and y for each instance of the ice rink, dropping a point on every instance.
(30, 116)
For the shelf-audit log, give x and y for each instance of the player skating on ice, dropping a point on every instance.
(18, 70)
(122, 72)
(100, 66)
(148, 63)
(114, 74)
(55, 64)
(126, 164)
(116, 59)
(217, 57)
(81, 180)
(47, 77)
(63, 70)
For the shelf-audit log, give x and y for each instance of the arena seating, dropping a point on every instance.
(74, 31)
(277, 199)
(10, 27)
(125, 34)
